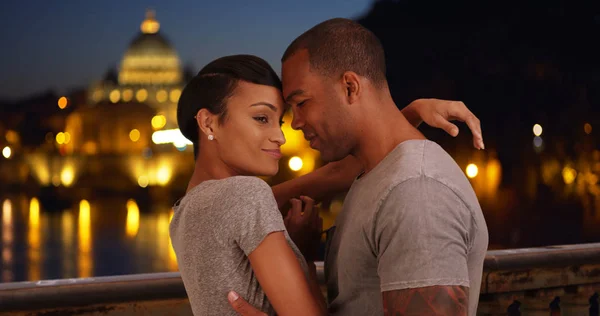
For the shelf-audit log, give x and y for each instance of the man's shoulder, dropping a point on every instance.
(412, 165)
(426, 163)
(418, 187)
(412, 159)
(438, 164)
(402, 164)
(441, 167)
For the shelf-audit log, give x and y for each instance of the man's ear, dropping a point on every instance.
(352, 86)
(206, 122)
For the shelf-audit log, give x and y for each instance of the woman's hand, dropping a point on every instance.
(439, 113)
(241, 306)
(304, 225)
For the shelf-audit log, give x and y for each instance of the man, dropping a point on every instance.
(411, 238)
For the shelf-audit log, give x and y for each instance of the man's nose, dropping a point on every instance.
(297, 121)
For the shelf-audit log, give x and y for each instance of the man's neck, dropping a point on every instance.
(382, 130)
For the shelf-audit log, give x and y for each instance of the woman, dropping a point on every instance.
(227, 230)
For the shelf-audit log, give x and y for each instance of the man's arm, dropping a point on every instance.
(422, 239)
(431, 300)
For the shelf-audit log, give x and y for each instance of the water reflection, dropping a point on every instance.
(67, 244)
(133, 219)
(85, 265)
(7, 241)
(95, 237)
(164, 240)
(33, 241)
(172, 256)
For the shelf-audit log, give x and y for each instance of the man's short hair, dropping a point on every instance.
(339, 45)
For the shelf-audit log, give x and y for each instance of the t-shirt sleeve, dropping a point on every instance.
(252, 213)
(421, 236)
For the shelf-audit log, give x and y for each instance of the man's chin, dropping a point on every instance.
(328, 156)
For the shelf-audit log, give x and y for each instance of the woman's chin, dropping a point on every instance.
(270, 172)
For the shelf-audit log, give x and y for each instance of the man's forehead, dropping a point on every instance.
(294, 72)
(295, 65)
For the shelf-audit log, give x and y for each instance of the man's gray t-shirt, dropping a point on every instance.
(413, 221)
(214, 228)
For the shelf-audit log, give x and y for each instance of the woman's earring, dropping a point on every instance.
(211, 137)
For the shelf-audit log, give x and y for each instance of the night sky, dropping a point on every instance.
(63, 44)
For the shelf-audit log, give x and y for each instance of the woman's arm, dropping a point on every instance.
(281, 277)
(315, 288)
(278, 271)
(439, 113)
(333, 178)
(252, 221)
(336, 177)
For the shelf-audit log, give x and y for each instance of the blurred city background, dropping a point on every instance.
(92, 160)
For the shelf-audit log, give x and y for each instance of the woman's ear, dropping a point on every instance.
(206, 123)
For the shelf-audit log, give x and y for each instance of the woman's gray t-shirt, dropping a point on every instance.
(214, 228)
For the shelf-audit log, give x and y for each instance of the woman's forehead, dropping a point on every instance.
(250, 93)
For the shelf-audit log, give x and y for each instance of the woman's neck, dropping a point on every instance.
(207, 168)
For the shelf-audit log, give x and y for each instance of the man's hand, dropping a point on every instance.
(304, 226)
(241, 306)
(439, 113)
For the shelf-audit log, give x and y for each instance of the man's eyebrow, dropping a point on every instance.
(271, 106)
(293, 94)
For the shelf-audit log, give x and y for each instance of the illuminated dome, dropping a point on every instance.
(150, 59)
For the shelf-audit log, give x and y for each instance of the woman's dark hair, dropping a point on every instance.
(214, 84)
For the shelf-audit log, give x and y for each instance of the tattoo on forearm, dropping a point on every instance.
(433, 300)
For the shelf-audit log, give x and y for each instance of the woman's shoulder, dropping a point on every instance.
(247, 190)
(228, 196)
(231, 185)
(245, 199)
(248, 184)
(232, 191)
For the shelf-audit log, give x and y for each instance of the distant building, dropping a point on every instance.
(121, 132)
(135, 107)
(150, 72)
